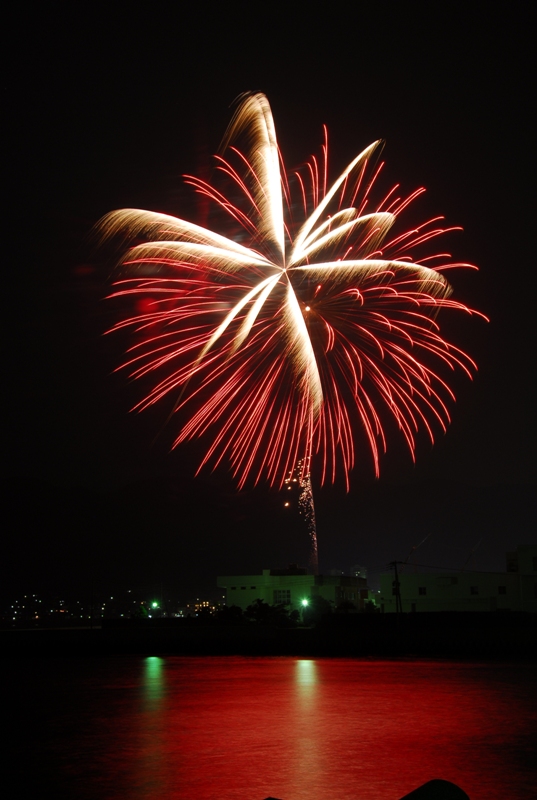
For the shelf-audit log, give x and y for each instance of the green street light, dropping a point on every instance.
(304, 603)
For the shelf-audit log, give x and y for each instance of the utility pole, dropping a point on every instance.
(397, 587)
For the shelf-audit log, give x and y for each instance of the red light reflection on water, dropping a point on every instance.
(306, 729)
(249, 728)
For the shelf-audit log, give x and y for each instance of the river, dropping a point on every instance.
(239, 728)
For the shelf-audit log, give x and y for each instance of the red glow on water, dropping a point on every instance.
(296, 729)
(305, 729)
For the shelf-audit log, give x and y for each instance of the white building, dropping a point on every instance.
(291, 586)
(513, 590)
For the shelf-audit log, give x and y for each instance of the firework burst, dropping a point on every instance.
(298, 334)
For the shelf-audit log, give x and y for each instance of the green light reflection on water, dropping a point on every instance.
(306, 672)
(153, 682)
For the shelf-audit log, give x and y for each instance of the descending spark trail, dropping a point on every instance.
(302, 332)
(301, 476)
(307, 510)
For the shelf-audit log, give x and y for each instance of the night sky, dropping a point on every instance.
(108, 108)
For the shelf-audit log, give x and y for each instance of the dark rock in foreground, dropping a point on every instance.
(437, 790)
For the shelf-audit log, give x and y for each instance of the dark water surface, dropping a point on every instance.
(247, 728)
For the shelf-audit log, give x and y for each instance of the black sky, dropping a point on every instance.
(107, 107)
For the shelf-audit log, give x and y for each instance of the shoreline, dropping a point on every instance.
(444, 635)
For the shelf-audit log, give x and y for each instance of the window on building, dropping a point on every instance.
(252, 587)
(282, 596)
(474, 590)
(502, 589)
(422, 590)
(243, 587)
(233, 588)
(534, 563)
(512, 562)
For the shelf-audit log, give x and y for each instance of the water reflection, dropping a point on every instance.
(148, 759)
(153, 683)
(306, 672)
(249, 728)
(306, 727)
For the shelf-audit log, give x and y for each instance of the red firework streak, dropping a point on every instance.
(296, 336)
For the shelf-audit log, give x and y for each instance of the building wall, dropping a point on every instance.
(243, 590)
(291, 589)
(515, 589)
